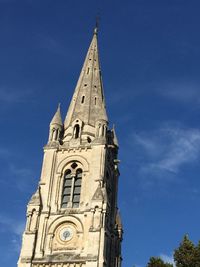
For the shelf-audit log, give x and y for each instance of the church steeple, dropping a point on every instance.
(72, 219)
(88, 103)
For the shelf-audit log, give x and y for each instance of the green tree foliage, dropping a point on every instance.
(158, 262)
(186, 254)
(197, 255)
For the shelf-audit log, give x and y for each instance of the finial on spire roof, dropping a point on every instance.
(96, 24)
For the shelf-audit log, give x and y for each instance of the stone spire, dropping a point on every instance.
(88, 103)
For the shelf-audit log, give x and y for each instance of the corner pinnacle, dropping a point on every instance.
(57, 117)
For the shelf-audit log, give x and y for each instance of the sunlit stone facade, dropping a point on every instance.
(72, 218)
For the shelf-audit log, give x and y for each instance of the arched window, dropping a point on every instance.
(72, 187)
(76, 131)
(77, 189)
(67, 186)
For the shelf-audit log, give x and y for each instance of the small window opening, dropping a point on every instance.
(83, 99)
(85, 84)
(89, 139)
(88, 70)
(76, 131)
(103, 130)
(95, 100)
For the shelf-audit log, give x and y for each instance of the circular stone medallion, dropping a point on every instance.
(66, 234)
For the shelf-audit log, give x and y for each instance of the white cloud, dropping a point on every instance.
(11, 225)
(181, 91)
(168, 149)
(168, 259)
(150, 144)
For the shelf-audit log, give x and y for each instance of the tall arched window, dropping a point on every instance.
(67, 186)
(77, 188)
(72, 187)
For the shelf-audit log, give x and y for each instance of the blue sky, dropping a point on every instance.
(150, 54)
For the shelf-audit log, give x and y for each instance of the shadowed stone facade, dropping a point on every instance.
(73, 219)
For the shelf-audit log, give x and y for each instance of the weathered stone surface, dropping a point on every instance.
(71, 219)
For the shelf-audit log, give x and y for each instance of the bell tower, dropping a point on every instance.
(72, 218)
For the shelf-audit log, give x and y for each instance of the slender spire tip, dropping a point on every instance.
(95, 30)
(97, 24)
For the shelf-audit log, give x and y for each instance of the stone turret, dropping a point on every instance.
(56, 127)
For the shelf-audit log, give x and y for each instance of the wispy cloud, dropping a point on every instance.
(25, 172)
(24, 177)
(167, 258)
(167, 149)
(185, 92)
(13, 174)
(15, 228)
(51, 44)
(11, 95)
